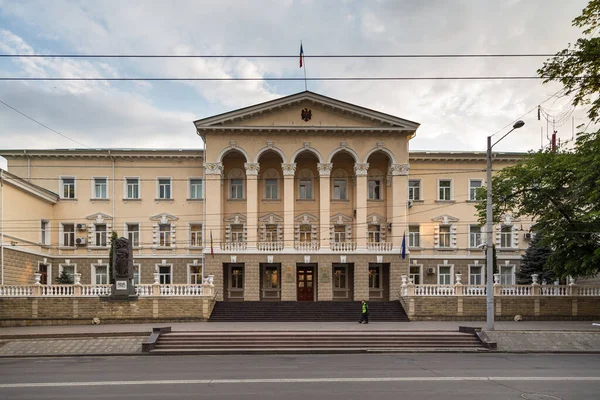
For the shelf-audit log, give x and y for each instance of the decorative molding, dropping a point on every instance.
(289, 169)
(361, 169)
(399, 169)
(213, 168)
(99, 217)
(270, 218)
(445, 219)
(271, 173)
(252, 169)
(236, 219)
(324, 169)
(306, 218)
(163, 218)
(340, 219)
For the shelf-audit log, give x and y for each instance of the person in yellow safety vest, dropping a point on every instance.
(364, 317)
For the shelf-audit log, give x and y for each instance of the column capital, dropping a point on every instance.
(252, 169)
(399, 169)
(361, 169)
(324, 169)
(289, 169)
(213, 168)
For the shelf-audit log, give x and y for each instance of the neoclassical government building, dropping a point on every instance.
(303, 198)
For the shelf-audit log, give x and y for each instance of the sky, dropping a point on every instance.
(454, 115)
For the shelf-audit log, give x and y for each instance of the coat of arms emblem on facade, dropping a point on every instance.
(306, 114)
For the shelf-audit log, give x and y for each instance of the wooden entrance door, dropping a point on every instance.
(306, 283)
(44, 274)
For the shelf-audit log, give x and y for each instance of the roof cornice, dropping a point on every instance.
(102, 153)
(20, 183)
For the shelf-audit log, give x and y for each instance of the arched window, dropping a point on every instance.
(271, 184)
(236, 184)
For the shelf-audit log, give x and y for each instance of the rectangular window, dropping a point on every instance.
(133, 188)
(374, 190)
(101, 274)
(100, 188)
(100, 235)
(475, 236)
(70, 270)
(474, 186)
(196, 235)
(305, 189)
(237, 233)
(374, 233)
(68, 235)
(507, 275)
(195, 275)
(136, 274)
(271, 189)
(414, 190)
(45, 232)
(196, 189)
(444, 275)
(414, 236)
(271, 278)
(506, 236)
(339, 233)
(164, 273)
(164, 188)
(164, 238)
(444, 236)
(374, 277)
(340, 277)
(415, 274)
(237, 189)
(476, 275)
(339, 189)
(271, 233)
(444, 189)
(305, 233)
(133, 234)
(68, 188)
(236, 280)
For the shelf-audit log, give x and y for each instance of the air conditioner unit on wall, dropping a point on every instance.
(80, 241)
(430, 271)
(81, 227)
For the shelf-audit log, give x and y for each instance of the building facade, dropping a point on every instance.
(304, 198)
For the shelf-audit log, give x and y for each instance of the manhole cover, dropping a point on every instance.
(539, 396)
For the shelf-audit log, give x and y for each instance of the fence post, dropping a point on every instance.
(156, 285)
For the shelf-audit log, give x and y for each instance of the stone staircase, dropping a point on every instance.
(295, 311)
(227, 342)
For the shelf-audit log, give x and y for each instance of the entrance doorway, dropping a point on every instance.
(270, 281)
(305, 280)
(233, 282)
(43, 270)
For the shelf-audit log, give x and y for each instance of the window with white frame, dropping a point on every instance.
(67, 187)
(507, 274)
(100, 274)
(100, 188)
(374, 277)
(340, 189)
(444, 275)
(414, 274)
(132, 188)
(271, 233)
(196, 235)
(374, 231)
(164, 274)
(236, 189)
(70, 271)
(305, 191)
(305, 233)
(68, 235)
(237, 233)
(164, 188)
(196, 189)
(474, 186)
(475, 236)
(45, 232)
(137, 277)
(506, 232)
(444, 236)
(100, 235)
(340, 277)
(339, 233)
(374, 187)
(476, 275)
(445, 189)
(414, 236)
(236, 277)
(133, 234)
(271, 189)
(195, 275)
(414, 189)
(164, 235)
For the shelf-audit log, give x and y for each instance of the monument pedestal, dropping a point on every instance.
(123, 289)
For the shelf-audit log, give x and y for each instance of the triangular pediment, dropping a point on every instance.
(375, 219)
(340, 219)
(445, 219)
(235, 219)
(306, 218)
(99, 217)
(306, 110)
(163, 218)
(270, 219)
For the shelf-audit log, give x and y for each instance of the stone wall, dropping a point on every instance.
(19, 266)
(81, 310)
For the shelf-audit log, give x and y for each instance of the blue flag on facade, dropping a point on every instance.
(404, 245)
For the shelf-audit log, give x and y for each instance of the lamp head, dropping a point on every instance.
(518, 124)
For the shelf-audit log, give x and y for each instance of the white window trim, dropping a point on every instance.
(483, 271)
(189, 187)
(345, 268)
(190, 235)
(513, 273)
(346, 180)
(125, 191)
(126, 230)
(47, 238)
(511, 239)
(451, 273)
(420, 189)
(170, 233)
(451, 189)
(107, 233)
(474, 180)
(230, 189)
(482, 237)
(157, 269)
(62, 265)
(61, 191)
(93, 188)
(277, 189)
(93, 277)
(158, 178)
(189, 273)
(139, 266)
(61, 236)
(420, 266)
(409, 235)
(49, 270)
(381, 187)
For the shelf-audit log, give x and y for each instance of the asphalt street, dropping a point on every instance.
(379, 376)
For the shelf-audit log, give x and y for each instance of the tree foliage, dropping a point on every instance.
(535, 261)
(64, 278)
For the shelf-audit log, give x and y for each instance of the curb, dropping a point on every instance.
(71, 335)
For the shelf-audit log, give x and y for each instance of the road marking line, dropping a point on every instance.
(306, 380)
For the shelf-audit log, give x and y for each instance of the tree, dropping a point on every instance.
(535, 261)
(113, 236)
(560, 189)
(64, 278)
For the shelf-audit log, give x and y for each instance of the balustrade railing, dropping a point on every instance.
(515, 290)
(435, 290)
(57, 290)
(588, 291)
(380, 246)
(269, 246)
(342, 246)
(557, 290)
(306, 246)
(181, 290)
(474, 290)
(143, 290)
(233, 246)
(96, 290)
(16, 291)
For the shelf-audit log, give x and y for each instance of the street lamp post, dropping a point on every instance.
(488, 227)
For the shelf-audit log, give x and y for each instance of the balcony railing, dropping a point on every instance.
(269, 246)
(233, 246)
(306, 246)
(380, 246)
(181, 290)
(343, 246)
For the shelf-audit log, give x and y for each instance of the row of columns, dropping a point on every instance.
(213, 177)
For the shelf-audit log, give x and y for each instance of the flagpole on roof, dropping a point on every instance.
(303, 64)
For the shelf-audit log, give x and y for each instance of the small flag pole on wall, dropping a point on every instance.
(404, 245)
(303, 65)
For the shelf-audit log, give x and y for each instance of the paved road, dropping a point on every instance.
(314, 377)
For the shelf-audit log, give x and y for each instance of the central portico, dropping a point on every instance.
(306, 200)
